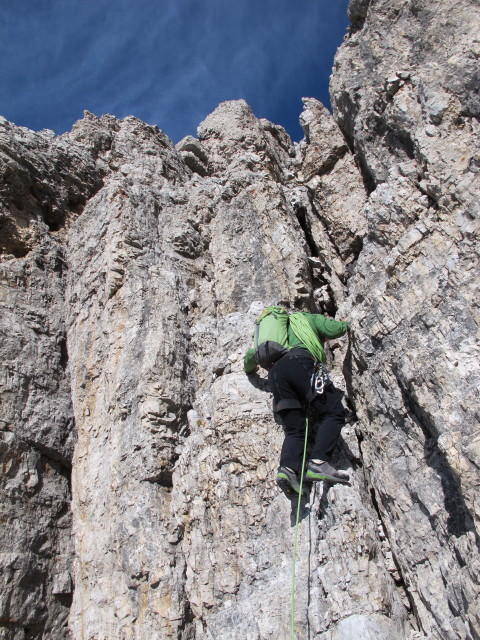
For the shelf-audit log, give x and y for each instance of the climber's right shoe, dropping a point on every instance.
(316, 472)
(288, 481)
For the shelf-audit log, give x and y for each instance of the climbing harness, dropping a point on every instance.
(296, 529)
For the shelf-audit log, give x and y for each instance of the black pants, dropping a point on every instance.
(290, 380)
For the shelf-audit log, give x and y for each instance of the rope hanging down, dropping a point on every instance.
(296, 529)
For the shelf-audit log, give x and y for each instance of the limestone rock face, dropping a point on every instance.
(413, 120)
(44, 183)
(139, 460)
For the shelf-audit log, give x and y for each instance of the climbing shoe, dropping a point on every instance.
(288, 481)
(323, 471)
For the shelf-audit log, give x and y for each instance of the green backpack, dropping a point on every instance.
(271, 336)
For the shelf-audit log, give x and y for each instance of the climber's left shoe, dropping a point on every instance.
(288, 481)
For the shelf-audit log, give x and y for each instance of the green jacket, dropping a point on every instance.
(323, 327)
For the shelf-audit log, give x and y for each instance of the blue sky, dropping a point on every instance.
(168, 62)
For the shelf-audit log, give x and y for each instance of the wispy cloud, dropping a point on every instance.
(166, 61)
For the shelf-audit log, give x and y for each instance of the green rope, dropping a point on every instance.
(296, 528)
(304, 332)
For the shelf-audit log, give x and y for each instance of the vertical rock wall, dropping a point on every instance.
(44, 183)
(128, 346)
(405, 92)
(132, 272)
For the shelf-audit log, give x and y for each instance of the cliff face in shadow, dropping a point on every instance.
(139, 460)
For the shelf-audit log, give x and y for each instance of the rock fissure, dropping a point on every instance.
(396, 572)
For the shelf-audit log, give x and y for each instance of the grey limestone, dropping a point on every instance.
(138, 460)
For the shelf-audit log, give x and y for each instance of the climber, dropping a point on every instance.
(292, 381)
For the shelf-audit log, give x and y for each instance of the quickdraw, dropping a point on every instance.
(319, 378)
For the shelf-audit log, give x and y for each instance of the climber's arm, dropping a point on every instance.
(329, 328)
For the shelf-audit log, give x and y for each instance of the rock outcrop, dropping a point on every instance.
(412, 118)
(138, 494)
